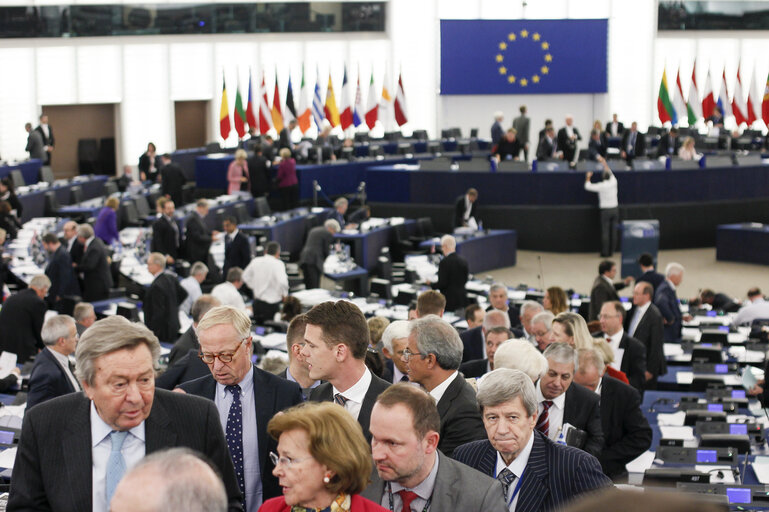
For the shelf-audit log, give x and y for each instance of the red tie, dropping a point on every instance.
(407, 497)
(608, 340)
(543, 422)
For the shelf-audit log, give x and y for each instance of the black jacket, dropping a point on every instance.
(172, 180)
(21, 319)
(165, 239)
(237, 253)
(460, 418)
(97, 278)
(452, 277)
(460, 210)
(583, 411)
(161, 306)
(197, 239)
(63, 279)
(650, 332)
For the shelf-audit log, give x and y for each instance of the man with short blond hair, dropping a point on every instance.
(430, 302)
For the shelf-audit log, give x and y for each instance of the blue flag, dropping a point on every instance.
(523, 56)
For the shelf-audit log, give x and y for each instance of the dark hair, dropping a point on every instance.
(292, 308)
(375, 362)
(754, 291)
(5, 207)
(500, 330)
(50, 238)
(559, 302)
(202, 305)
(257, 148)
(295, 333)
(470, 311)
(231, 220)
(421, 405)
(7, 183)
(341, 322)
(431, 302)
(272, 248)
(605, 266)
(707, 295)
(646, 260)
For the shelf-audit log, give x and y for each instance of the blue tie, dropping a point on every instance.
(116, 463)
(506, 477)
(234, 436)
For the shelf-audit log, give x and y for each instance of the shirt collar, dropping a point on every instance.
(246, 385)
(61, 358)
(425, 488)
(100, 430)
(598, 387)
(558, 401)
(617, 336)
(440, 389)
(671, 284)
(291, 378)
(518, 465)
(357, 391)
(642, 309)
(607, 279)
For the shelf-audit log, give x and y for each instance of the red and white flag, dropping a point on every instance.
(401, 115)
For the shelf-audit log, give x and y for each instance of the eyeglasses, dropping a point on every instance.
(285, 461)
(408, 353)
(225, 357)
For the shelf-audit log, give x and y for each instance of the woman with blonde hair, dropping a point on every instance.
(571, 328)
(237, 172)
(105, 226)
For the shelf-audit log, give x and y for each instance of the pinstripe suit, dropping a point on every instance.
(554, 475)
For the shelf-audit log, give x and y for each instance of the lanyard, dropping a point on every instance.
(516, 489)
(392, 504)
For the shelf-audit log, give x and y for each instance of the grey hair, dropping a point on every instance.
(56, 327)
(504, 385)
(590, 357)
(85, 231)
(83, 310)
(520, 354)
(110, 335)
(673, 268)
(198, 268)
(234, 274)
(496, 318)
(545, 318)
(497, 286)
(157, 258)
(562, 353)
(342, 201)
(226, 315)
(530, 305)
(186, 482)
(332, 224)
(449, 241)
(40, 282)
(436, 336)
(498, 115)
(396, 330)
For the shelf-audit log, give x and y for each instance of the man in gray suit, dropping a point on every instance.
(315, 251)
(410, 470)
(521, 125)
(35, 145)
(75, 449)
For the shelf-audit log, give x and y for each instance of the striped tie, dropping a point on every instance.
(543, 422)
(341, 400)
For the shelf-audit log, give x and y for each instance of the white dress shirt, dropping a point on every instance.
(759, 308)
(228, 295)
(607, 192)
(101, 446)
(64, 363)
(614, 344)
(355, 394)
(517, 467)
(440, 389)
(640, 311)
(554, 414)
(251, 470)
(192, 286)
(267, 278)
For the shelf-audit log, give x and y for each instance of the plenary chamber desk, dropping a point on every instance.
(747, 242)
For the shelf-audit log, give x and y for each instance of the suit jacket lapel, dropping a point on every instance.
(534, 488)
(364, 416)
(451, 393)
(157, 429)
(569, 409)
(623, 344)
(488, 462)
(264, 397)
(76, 447)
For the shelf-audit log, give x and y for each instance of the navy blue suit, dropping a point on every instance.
(666, 300)
(472, 339)
(272, 395)
(47, 380)
(236, 253)
(652, 277)
(554, 475)
(63, 280)
(338, 217)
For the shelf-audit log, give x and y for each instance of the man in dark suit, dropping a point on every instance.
(561, 402)
(646, 262)
(62, 459)
(336, 340)
(464, 208)
(189, 340)
(452, 275)
(52, 375)
(405, 425)
(172, 180)
(604, 288)
(162, 299)
(93, 266)
(198, 237)
(644, 323)
(718, 301)
(627, 432)
(259, 171)
(85, 316)
(186, 368)
(547, 148)
(568, 136)
(284, 140)
(474, 340)
(521, 125)
(629, 353)
(497, 132)
(35, 146)
(499, 300)
(165, 233)
(537, 474)
(479, 367)
(22, 318)
(433, 358)
(596, 147)
(669, 143)
(70, 241)
(666, 300)
(59, 270)
(315, 251)
(46, 132)
(340, 208)
(237, 249)
(633, 144)
(614, 128)
(226, 347)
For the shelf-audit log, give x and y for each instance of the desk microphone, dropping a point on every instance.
(541, 275)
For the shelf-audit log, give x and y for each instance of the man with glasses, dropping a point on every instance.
(629, 353)
(246, 398)
(52, 375)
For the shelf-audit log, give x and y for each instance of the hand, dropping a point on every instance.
(628, 279)
(588, 175)
(687, 317)
(180, 390)
(169, 260)
(623, 154)
(756, 390)
(600, 159)
(648, 375)
(215, 233)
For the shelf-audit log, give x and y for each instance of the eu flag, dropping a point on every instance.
(523, 56)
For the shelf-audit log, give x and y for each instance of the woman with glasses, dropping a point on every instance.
(323, 461)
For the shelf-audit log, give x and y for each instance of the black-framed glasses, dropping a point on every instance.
(408, 353)
(225, 357)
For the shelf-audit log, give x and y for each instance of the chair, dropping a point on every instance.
(76, 195)
(262, 207)
(718, 161)
(750, 159)
(475, 164)
(419, 135)
(647, 165)
(241, 213)
(46, 174)
(17, 178)
(513, 166)
(142, 206)
(129, 216)
(52, 206)
(473, 133)
(555, 165)
(436, 164)
(589, 165)
(676, 164)
(110, 188)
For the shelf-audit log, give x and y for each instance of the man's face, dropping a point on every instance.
(611, 320)
(70, 344)
(477, 319)
(398, 452)
(399, 345)
(588, 376)
(342, 208)
(44, 119)
(228, 226)
(123, 387)
(89, 320)
(152, 268)
(70, 230)
(223, 339)
(634, 126)
(508, 427)
(569, 121)
(543, 336)
(612, 272)
(527, 316)
(493, 341)
(614, 118)
(202, 210)
(510, 136)
(676, 278)
(321, 359)
(498, 299)
(472, 198)
(168, 209)
(417, 364)
(639, 297)
(557, 379)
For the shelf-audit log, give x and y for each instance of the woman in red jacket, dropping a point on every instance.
(323, 461)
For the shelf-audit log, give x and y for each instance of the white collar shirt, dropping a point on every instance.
(439, 390)
(639, 313)
(614, 342)
(555, 414)
(267, 278)
(64, 363)
(606, 190)
(516, 467)
(228, 295)
(355, 394)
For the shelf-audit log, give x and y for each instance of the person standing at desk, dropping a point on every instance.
(172, 180)
(105, 226)
(94, 266)
(340, 208)
(608, 204)
(8, 194)
(162, 300)
(22, 318)
(35, 145)
(259, 172)
(508, 147)
(521, 125)
(46, 132)
(315, 252)
(237, 173)
(464, 208)
(497, 132)
(165, 233)
(59, 270)
(288, 184)
(266, 277)
(52, 374)
(150, 164)
(666, 300)
(633, 144)
(237, 249)
(452, 275)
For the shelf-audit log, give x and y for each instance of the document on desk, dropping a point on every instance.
(673, 432)
(675, 419)
(641, 463)
(761, 468)
(274, 340)
(7, 363)
(7, 457)
(672, 349)
(749, 380)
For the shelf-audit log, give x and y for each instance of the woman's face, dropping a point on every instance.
(302, 479)
(3, 188)
(150, 148)
(546, 301)
(559, 333)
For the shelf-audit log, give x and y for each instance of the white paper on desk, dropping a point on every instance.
(690, 333)
(672, 349)
(684, 377)
(641, 463)
(7, 363)
(761, 468)
(726, 471)
(749, 380)
(732, 380)
(672, 432)
(736, 337)
(274, 340)
(675, 419)
(7, 457)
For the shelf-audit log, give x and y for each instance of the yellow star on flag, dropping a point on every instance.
(500, 58)
(548, 58)
(535, 79)
(524, 33)
(545, 45)
(545, 70)
(511, 79)
(502, 46)
(502, 70)
(535, 36)
(524, 82)
(511, 36)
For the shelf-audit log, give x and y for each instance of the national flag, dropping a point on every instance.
(250, 116)
(277, 114)
(239, 114)
(357, 112)
(693, 105)
(401, 115)
(317, 103)
(385, 102)
(305, 114)
(372, 106)
(265, 121)
(765, 104)
(345, 117)
(739, 105)
(224, 113)
(664, 107)
(708, 100)
(329, 109)
(290, 113)
(723, 97)
(679, 104)
(754, 101)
